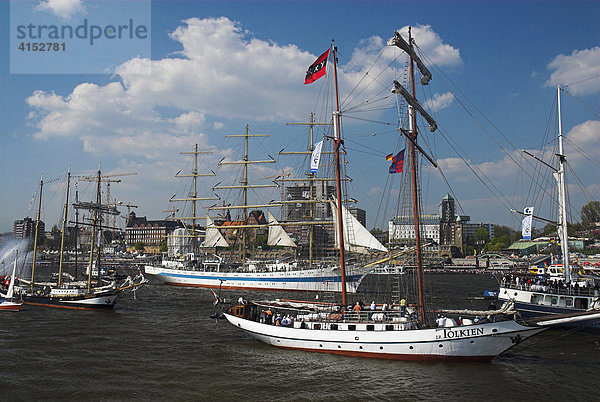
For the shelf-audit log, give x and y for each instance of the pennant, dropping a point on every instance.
(398, 163)
(317, 69)
(389, 157)
(316, 157)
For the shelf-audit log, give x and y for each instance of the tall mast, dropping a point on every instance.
(64, 227)
(337, 141)
(311, 179)
(415, 190)
(37, 227)
(245, 186)
(562, 196)
(194, 198)
(94, 226)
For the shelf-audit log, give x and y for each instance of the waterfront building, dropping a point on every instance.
(25, 228)
(150, 233)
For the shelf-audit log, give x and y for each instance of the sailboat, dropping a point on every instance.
(385, 331)
(210, 270)
(93, 294)
(558, 289)
(7, 302)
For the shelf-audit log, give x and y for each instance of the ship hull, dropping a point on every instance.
(481, 342)
(10, 306)
(309, 280)
(531, 303)
(95, 302)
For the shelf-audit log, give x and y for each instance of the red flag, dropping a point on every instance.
(317, 69)
(389, 157)
(398, 163)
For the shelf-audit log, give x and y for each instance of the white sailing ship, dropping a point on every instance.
(383, 331)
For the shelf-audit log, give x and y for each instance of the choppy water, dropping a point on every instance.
(164, 346)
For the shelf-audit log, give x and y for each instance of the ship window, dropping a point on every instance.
(333, 327)
(581, 302)
(569, 302)
(316, 326)
(389, 327)
(370, 327)
(554, 300)
(351, 327)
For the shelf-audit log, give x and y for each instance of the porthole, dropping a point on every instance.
(495, 330)
(320, 345)
(411, 347)
(339, 346)
(356, 338)
(472, 341)
(381, 347)
(360, 347)
(441, 346)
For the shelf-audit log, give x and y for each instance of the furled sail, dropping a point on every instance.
(356, 237)
(214, 238)
(278, 236)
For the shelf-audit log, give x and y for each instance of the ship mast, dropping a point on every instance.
(37, 227)
(562, 198)
(411, 134)
(311, 179)
(245, 186)
(337, 141)
(64, 227)
(194, 198)
(415, 190)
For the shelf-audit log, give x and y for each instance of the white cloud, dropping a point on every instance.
(64, 9)
(439, 102)
(576, 70)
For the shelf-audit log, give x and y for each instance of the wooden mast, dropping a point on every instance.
(337, 140)
(37, 227)
(415, 190)
(64, 228)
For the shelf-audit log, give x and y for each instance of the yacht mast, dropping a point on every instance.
(562, 197)
(337, 141)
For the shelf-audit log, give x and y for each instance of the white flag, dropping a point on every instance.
(316, 156)
(526, 227)
(528, 211)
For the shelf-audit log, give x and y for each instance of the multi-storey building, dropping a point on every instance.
(150, 233)
(26, 229)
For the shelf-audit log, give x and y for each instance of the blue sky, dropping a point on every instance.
(217, 66)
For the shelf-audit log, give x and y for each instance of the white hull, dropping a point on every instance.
(308, 280)
(480, 342)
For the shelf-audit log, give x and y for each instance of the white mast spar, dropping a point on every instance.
(562, 197)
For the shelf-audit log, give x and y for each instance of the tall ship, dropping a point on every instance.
(229, 256)
(557, 288)
(401, 330)
(101, 289)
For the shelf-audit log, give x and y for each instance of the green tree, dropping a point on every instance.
(590, 213)
(163, 246)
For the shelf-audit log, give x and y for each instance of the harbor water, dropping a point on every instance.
(162, 345)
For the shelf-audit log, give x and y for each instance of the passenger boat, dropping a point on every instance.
(558, 288)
